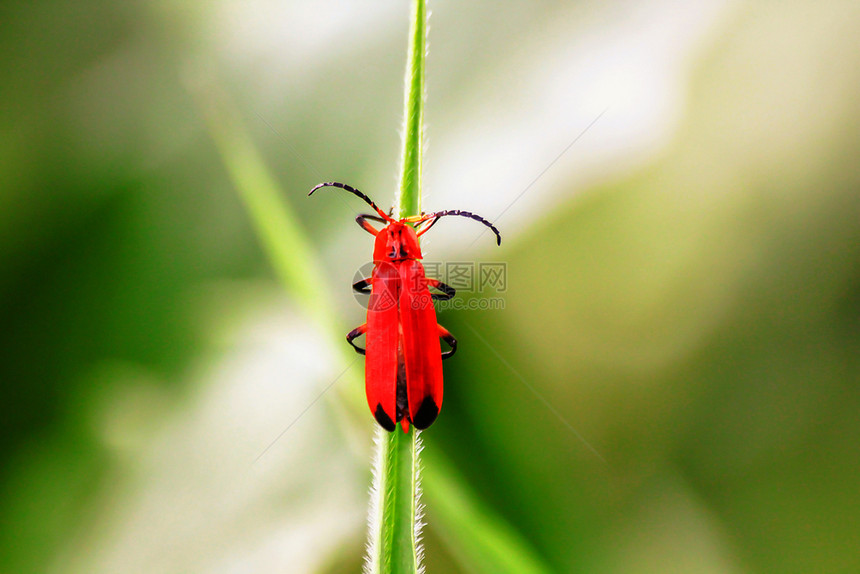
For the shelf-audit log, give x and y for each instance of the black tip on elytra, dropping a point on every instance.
(383, 419)
(427, 413)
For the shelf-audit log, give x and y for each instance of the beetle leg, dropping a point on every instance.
(425, 227)
(355, 333)
(362, 286)
(446, 290)
(448, 338)
(362, 221)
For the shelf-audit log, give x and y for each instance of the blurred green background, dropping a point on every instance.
(683, 282)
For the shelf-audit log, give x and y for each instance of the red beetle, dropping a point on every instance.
(403, 373)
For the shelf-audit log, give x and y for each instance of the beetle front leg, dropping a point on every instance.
(362, 221)
(447, 291)
(448, 338)
(424, 229)
(354, 334)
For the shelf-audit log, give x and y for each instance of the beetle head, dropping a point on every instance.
(396, 242)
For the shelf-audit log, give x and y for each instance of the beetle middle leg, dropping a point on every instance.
(354, 334)
(446, 290)
(362, 286)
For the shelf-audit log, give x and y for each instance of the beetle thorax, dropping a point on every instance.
(396, 242)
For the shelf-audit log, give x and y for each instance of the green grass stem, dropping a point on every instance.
(394, 537)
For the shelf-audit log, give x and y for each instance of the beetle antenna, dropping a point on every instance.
(434, 217)
(353, 191)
